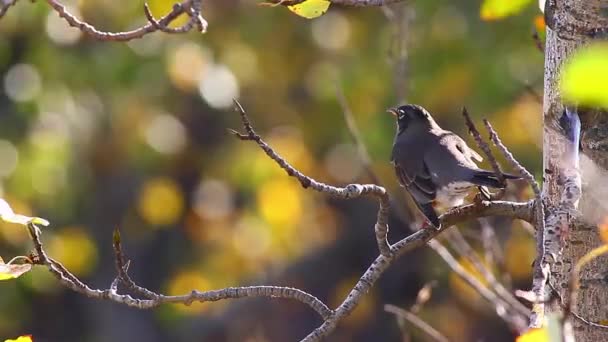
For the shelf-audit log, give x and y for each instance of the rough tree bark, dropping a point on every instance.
(572, 24)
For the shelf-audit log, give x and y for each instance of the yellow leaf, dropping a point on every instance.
(498, 9)
(11, 271)
(583, 78)
(534, 335)
(310, 9)
(25, 338)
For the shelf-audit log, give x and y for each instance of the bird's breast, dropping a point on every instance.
(453, 194)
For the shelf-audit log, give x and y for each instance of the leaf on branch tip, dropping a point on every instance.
(116, 236)
(25, 338)
(12, 271)
(499, 9)
(8, 215)
(310, 9)
(583, 78)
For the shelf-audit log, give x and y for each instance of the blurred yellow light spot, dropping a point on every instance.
(184, 283)
(520, 251)
(461, 288)
(523, 122)
(160, 202)
(160, 8)
(498, 9)
(73, 247)
(186, 65)
(279, 202)
(534, 335)
(242, 60)
(363, 312)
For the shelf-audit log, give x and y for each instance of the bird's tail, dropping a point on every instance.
(428, 211)
(488, 178)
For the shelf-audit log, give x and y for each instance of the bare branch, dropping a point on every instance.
(458, 242)
(191, 7)
(70, 281)
(486, 150)
(541, 266)
(417, 321)
(503, 309)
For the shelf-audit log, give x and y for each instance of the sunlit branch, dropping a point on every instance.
(192, 8)
(67, 279)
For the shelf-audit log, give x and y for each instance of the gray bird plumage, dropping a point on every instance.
(433, 164)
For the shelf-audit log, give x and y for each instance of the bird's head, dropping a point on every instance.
(409, 115)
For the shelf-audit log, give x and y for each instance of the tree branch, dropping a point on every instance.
(70, 281)
(417, 321)
(191, 7)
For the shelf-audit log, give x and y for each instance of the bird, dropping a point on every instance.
(435, 165)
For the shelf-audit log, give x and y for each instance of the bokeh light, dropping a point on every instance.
(160, 202)
(165, 134)
(22, 82)
(73, 247)
(213, 199)
(219, 86)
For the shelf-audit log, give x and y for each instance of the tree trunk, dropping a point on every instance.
(572, 24)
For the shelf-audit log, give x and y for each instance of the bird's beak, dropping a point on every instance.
(392, 111)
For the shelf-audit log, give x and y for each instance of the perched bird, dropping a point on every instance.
(435, 165)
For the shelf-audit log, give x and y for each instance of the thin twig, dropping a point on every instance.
(487, 151)
(417, 321)
(355, 135)
(458, 242)
(190, 7)
(541, 267)
(72, 282)
(503, 309)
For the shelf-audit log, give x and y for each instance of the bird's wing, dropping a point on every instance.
(460, 150)
(412, 171)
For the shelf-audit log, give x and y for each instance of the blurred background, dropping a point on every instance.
(98, 135)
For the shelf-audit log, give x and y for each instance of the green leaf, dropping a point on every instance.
(7, 214)
(310, 9)
(498, 9)
(583, 78)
